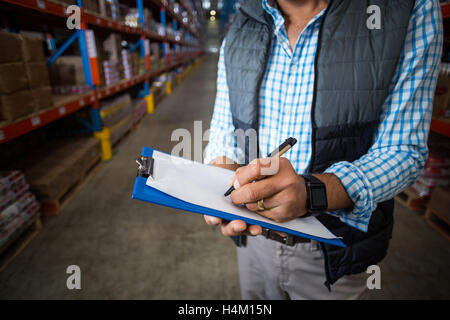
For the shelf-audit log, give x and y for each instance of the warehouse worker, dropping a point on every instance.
(354, 84)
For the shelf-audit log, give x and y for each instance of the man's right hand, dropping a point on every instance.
(235, 227)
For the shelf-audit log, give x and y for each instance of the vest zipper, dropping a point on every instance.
(327, 282)
(266, 62)
(313, 105)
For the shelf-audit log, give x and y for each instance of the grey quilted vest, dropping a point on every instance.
(354, 67)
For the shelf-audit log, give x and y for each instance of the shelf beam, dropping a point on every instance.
(441, 126)
(445, 10)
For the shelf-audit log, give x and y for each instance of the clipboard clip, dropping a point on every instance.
(145, 166)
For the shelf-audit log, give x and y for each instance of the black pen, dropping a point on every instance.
(278, 152)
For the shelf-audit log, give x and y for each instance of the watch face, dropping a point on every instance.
(318, 197)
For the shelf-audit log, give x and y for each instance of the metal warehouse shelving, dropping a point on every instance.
(445, 10)
(66, 105)
(438, 124)
(71, 103)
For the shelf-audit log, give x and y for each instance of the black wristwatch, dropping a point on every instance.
(316, 194)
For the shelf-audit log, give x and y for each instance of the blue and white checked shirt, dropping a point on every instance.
(399, 148)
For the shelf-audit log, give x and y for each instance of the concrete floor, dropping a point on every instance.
(127, 249)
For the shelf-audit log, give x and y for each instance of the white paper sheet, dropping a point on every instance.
(204, 185)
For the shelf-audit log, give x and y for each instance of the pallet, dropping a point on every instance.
(411, 200)
(435, 221)
(18, 243)
(138, 122)
(438, 211)
(122, 138)
(54, 207)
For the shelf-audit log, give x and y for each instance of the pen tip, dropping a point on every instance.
(229, 191)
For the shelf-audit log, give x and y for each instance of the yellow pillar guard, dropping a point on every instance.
(150, 103)
(105, 139)
(169, 87)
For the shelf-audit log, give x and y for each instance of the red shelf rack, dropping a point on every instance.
(445, 10)
(441, 126)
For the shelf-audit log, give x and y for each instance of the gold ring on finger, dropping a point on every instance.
(261, 205)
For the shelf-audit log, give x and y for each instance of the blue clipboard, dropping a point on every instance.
(143, 192)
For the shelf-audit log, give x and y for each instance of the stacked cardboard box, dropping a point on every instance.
(67, 75)
(115, 109)
(127, 63)
(53, 169)
(111, 72)
(438, 214)
(111, 46)
(138, 68)
(91, 5)
(155, 55)
(139, 110)
(24, 81)
(116, 114)
(158, 89)
(121, 128)
(111, 60)
(107, 8)
(37, 72)
(18, 206)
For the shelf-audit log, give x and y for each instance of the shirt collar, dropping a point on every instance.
(271, 7)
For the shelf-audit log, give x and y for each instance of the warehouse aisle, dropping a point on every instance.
(128, 249)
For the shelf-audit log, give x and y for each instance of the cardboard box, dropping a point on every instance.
(67, 70)
(91, 5)
(16, 105)
(53, 169)
(12, 77)
(112, 47)
(43, 98)
(50, 178)
(37, 73)
(87, 151)
(32, 48)
(121, 128)
(11, 47)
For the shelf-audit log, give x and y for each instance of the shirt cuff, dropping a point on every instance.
(360, 192)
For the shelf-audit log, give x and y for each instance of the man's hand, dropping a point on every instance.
(281, 189)
(274, 181)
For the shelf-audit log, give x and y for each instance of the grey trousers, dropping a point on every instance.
(271, 270)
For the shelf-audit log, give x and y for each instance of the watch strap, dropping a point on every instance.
(313, 182)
